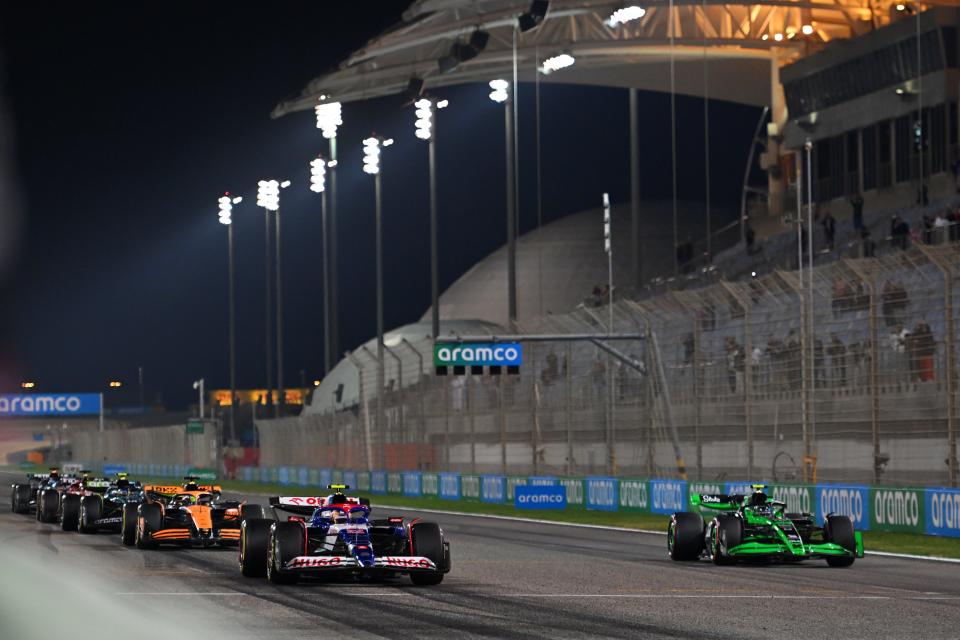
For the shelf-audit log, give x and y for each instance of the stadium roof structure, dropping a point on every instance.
(743, 43)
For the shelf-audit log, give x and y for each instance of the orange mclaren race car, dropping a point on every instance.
(188, 515)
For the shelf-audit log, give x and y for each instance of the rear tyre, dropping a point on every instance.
(427, 540)
(685, 536)
(254, 547)
(128, 525)
(839, 530)
(91, 510)
(70, 512)
(286, 543)
(728, 533)
(150, 519)
(48, 506)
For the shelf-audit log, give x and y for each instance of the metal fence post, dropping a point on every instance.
(951, 344)
(363, 416)
(378, 422)
(744, 302)
(874, 355)
(503, 425)
(468, 406)
(421, 435)
(568, 413)
(793, 283)
(402, 406)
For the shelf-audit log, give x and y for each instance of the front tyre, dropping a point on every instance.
(685, 536)
(149, 519)
(70, 512)
(91, 510)
(727, 534)
(839, 530)
(426, 538)
(128, 525)
(286, 543)
(254, 547)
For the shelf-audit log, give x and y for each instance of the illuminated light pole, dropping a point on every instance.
(501, 94)
(268, 197)
(198, 386)
(329, 118)
(225, 216)
(427, 130)
(557, 62)
(372, 148)
(318, 184)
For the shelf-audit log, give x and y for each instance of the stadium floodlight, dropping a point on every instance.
(371, 156)
(625, 14)
(226, 209)
(778, 37)
(268, 194)
(807, 29)
(226, 202)
(329, 117)
(500, 87)
(28, 385)
(318, 175)
(424, 122)
(557, 62)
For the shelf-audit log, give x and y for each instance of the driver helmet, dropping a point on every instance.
(758, 499)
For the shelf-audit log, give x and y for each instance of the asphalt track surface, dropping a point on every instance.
(512, 580)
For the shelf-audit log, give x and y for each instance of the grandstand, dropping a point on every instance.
(748, 367)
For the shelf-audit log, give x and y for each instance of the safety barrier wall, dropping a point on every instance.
(171, 445)
(930, 510)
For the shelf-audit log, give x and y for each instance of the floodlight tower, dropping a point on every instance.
(372, 149)
(268, 197)
(501, 94)
(329, 118)
(225, 216)
(318, 184)
(426, 129)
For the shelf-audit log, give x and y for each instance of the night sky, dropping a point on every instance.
(132, 118)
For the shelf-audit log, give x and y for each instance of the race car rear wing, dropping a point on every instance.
(718, 501)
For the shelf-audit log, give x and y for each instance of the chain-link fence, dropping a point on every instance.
(846, 376)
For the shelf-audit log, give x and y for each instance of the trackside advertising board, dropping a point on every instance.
(931, 511)
(539, 497)
(477, 354)
(50, 404)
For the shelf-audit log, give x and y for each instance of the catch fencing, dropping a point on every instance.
(849, 376)
(169, 446)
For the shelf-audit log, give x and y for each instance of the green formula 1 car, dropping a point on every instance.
(756, 528)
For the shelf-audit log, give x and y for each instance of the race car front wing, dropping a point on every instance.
(347, 563)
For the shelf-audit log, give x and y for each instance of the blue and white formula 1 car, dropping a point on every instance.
(334, 535)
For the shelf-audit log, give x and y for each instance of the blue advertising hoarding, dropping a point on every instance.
(540, 497)
(943, 512)
(50, 404)
(845, 500)
(602, 494)
(450, 486)
(668, 496)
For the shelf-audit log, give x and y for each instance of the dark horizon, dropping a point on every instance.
(124, 145)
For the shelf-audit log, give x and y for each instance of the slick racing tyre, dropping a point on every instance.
(254, 547)
(685, 536)
(70, 512)
(252, 512)
(150, 519)
(427, 541)
(48, 506)
(128, 525)
(727, 534)
(20, 499)
(839, 530)
(91, 510)
(286, 543)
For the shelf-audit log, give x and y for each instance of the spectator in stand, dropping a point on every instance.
(940, 225)
(838, 360)
(792, 359)
(868, 248)
(829, 229)
(750, 237)
(899, 233)
(924, 349)
(857, 203)
(956, 171)
(927, 223)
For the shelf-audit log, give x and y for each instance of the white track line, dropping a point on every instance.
(718, 596)
(181, 593)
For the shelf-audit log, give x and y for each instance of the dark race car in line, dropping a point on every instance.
(96, 510)
(756, 528)
(334, 536)
(23, 495)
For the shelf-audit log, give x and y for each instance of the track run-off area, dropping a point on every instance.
(510, 579)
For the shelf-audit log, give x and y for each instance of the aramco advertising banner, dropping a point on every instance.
(50, 404)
